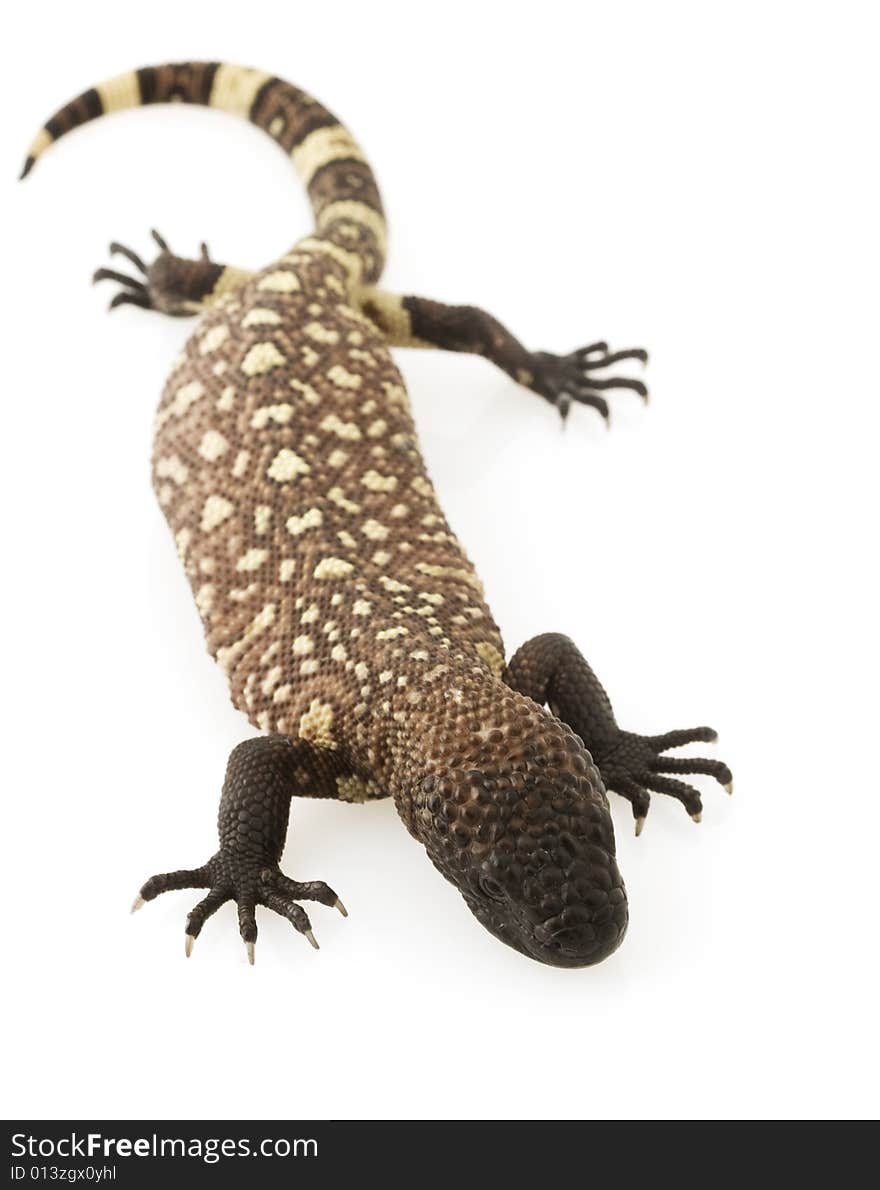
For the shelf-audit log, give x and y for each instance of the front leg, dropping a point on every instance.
(261, 776)
(552, 670)
(559, 379)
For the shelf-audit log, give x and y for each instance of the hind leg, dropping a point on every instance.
(172, 284)
(576, 378)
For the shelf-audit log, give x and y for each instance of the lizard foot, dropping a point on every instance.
(634, 765)
(561, 379)
(171, 284)
(242, 877)
(134, 292)
(261, 776)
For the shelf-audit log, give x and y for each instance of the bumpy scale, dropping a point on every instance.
(339, 603)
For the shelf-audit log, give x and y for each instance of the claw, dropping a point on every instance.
(640, 822)
(190, 939)
(138, 903)
(250, 952)
(337, 904)
(312, 939)
(698, 817)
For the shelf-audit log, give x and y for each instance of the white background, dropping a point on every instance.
(698, 178)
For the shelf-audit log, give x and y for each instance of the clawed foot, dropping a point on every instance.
(165, 281)
(227, 880)
(634, 765)
(562, 379)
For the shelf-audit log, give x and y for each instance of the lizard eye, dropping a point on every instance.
(491, 888)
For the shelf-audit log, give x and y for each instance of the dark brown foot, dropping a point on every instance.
(634, 767)
(563, 379)
(171, 284)
(252, 823)
(228, 878)
(134, 291)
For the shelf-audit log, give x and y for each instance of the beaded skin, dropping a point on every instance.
(351, 625)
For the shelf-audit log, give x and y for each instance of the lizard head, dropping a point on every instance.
(526, 836)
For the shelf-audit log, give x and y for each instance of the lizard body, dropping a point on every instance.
(349, 621)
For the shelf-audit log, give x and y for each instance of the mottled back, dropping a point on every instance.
(287, 464)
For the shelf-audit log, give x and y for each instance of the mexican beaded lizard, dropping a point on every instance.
(340, 605)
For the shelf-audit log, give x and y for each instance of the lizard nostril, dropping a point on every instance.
(491, 888)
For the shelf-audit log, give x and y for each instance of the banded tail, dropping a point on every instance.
(340, 184)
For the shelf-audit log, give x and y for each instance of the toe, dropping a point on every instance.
(686, 794)
(695, 765)
(690, 735)
(121, 278)
(171, 881)
(121, 250)
(247, 920)
(130, 298)
(294, 913)
(637, 796)
(616, 357)
(584, 397)
(197, 917)
(297, 890)
(583, 353)
(635, 386)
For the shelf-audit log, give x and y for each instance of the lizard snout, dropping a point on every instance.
(568, 909)
(590, 919)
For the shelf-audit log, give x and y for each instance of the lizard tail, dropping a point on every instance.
(341, 186)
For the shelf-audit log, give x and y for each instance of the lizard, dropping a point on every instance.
(350, 623)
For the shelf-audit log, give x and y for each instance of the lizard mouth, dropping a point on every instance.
(579, 936)
(583, 946)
